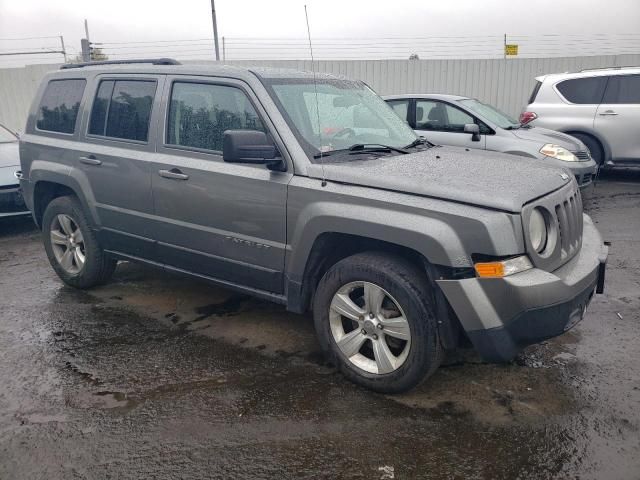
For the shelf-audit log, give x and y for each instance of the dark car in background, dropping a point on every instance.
(11, 202)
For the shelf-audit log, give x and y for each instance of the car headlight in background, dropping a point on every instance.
(556, 151)
(538, 233)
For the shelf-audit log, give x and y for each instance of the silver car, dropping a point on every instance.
(600, 107)
(11, 202)
(467, 122)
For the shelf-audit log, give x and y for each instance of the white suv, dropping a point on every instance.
(600, 107)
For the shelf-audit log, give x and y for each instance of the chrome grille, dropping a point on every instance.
(582, 155)
(569, 217)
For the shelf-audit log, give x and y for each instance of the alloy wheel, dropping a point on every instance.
(370, 327)
(67, 243)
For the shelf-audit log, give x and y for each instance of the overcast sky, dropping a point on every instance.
(575, 21)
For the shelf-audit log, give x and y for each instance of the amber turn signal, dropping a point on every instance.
(490, 270)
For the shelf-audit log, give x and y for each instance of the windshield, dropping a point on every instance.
(346, 113)
(490, 113)
(6, 135)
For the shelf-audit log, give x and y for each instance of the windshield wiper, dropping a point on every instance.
(419, 141)
(373, 147)
(361, 148)
(514, 127)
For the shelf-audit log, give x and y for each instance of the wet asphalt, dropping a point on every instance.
(158, 376)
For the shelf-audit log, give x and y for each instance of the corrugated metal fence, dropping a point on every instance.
(503, 83)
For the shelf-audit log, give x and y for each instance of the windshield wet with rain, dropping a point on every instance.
(337, 114)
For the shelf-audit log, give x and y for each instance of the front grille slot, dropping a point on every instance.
(582, 155)
(569, 217)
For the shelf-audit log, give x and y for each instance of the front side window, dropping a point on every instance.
(439, 116)
(623, 89)
(200, 113)
(401, 107)
(122, 109)
(59, 106)
(335, 114)
(587, 91)
(490, 113)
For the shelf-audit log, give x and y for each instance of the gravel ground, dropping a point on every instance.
(157, 376)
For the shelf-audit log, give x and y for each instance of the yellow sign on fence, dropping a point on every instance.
(511, 50)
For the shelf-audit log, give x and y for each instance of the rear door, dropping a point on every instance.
(443, 124)
(618, 117)
(117, 146)
(222, 220)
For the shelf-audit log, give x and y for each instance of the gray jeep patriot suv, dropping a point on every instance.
(308, 190)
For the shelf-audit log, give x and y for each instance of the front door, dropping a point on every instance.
(618, 117)
(222, 220)
(443, 124)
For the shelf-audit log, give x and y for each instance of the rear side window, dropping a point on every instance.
(623, 89)
(122, 109)
(200, 113)
(583, 90)
(401, 107)
(534, 94)
(59, 106)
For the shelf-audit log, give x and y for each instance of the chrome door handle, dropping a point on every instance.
(608, 112)
(173, 174)
(90, 160)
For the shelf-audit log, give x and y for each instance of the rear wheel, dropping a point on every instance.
(72, 248)
(374, 319)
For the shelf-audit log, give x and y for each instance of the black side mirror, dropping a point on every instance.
(474, 130)
(248, 146)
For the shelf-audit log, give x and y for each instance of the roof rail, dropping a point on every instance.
(618, 67)
(152, 61)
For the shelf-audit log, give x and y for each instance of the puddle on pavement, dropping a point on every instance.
(528, 391)
(104, 400)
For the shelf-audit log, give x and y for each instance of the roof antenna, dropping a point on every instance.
(315, 88)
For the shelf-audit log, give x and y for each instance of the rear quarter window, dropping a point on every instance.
(584, 91)
(59, 106)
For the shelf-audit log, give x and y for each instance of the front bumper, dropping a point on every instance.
(12, 202)
(503, 315)
(583, 171)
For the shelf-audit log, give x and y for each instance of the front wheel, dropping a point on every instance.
(374, 318)
(71, 245)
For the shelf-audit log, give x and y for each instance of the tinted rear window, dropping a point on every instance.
(59, 106)
(623, 89)
(583, 90)
(122, 109)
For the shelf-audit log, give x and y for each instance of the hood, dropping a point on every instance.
(477, 177)
(544, 135)
(9, 154)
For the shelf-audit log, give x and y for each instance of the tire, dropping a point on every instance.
(406, 291)
(594, 146)
(77, 258)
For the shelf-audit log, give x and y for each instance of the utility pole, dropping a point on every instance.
(87, 55)
(64, 51)
(86, 50)
(215, 28)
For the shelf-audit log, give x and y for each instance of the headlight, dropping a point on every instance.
(538, 230)
(556, 151)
